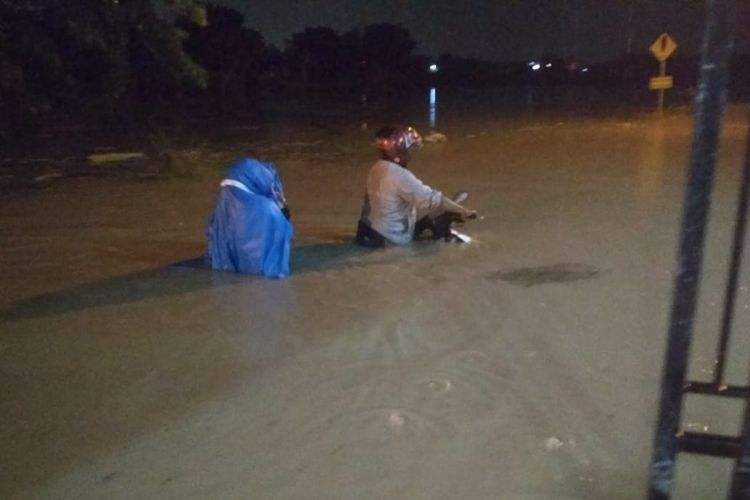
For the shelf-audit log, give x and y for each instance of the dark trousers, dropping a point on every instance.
(439, 227)
(368, 237)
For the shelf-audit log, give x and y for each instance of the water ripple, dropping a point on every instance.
(388, 426)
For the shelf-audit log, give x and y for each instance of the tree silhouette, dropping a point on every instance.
(68, 54)
(390, 65)
(314, 56)
(234, 57)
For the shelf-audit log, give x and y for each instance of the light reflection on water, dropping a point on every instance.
(433, 108)
(652, 163)
(488, 106)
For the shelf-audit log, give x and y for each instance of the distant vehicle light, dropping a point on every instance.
(548, 65)
(532, 63)
(433, 68)
(536, 67)
(585, 70)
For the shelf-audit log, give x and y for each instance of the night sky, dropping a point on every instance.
(500, 30)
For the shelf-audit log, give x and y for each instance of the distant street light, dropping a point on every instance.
(433, 68)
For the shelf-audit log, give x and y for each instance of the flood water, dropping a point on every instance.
(525, 365)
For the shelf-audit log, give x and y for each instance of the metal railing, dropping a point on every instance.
(670, 439)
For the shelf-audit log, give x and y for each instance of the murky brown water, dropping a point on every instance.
(421, 372)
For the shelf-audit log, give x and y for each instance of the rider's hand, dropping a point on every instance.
(469, 214)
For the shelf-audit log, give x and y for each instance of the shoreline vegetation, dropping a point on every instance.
(135, 90)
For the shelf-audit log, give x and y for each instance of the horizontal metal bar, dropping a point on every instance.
(714, 445)
(729, 391)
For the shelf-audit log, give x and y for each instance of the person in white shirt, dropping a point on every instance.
(396, 197)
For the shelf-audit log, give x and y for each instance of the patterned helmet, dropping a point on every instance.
(396, 141)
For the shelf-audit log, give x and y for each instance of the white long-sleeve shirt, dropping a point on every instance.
(394, 195)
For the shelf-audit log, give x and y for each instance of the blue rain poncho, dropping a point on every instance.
(248, 232)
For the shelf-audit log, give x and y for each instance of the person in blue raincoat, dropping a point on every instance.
(250, 229)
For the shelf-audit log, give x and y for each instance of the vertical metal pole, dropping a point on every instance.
(741, 478)
(740, 230)
(662, 72)
(709, 104)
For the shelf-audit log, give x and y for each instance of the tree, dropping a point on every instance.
(233, 56)
(387, 45)
(390, 64)
(70, 52)
(313, 56)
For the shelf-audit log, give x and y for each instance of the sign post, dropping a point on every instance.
(661, 49)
